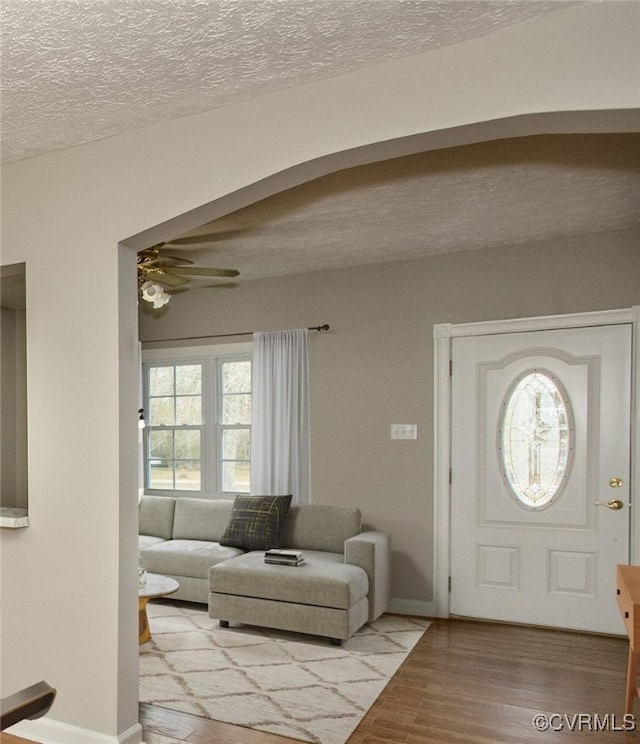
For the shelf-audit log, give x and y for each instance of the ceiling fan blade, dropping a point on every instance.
(161, 275)
(217, 286)
(157, 253)
(164, 258)
(202, 271)
(204, 238)
(196, 240)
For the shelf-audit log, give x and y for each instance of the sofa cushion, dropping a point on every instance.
(257, 522)
(146, 541)
(318, 527)
(155, 516)
(323, 580)
(186, 557)
(201, 519)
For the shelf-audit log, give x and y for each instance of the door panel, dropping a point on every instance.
(540, 551)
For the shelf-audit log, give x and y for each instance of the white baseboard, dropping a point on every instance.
(412, 607)
(48, 731)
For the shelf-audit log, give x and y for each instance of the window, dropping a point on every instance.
(234, 426)
(197, 439)
(175, 438)
(535, 439)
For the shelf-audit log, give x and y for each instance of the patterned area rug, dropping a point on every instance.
(285, 683)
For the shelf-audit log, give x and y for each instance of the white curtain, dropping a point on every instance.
(280, 451)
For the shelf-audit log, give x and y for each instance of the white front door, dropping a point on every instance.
(540, 476)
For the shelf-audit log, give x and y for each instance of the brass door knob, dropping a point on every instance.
(612, 504)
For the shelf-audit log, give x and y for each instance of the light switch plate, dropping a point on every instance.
(404, 431)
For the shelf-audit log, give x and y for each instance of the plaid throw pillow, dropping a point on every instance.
(257, 522)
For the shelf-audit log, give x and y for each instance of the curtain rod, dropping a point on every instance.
(323, 327)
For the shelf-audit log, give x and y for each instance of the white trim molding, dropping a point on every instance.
(635, 437)
(48, 731)
(442, 334)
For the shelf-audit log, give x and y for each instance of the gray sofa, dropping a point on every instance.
(343, 583)
(180, 538)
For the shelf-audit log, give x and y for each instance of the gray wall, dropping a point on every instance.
(375, 366)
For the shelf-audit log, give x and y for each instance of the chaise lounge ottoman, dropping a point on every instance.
(342, 584)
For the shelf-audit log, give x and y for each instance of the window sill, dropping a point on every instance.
(13, 518)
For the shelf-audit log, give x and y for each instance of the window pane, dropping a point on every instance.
(160, 477)
(188, 475)
(188, 379)
(236, 377)
(161, 411)
(161, 445)
(161, 381)
(187, 445)
(189, 410)
(236, 409)
(235, 444)
(535, 440)
(235, 476)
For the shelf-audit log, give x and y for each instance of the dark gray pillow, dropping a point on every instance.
(257, 522)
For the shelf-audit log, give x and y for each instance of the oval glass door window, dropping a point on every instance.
(535, 439)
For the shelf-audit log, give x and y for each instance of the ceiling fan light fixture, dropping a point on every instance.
(154, 293)
(156, 270)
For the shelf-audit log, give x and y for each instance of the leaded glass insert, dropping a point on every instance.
(535, 439)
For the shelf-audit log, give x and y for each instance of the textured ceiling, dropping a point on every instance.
(502, 193)
(79, 70)
(74, 71)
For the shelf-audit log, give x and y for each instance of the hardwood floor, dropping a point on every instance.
(470, 683)
(7, 738)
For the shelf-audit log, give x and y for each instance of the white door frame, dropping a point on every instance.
(443, 333)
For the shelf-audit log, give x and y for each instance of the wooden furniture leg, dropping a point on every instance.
(628, 595)
(144, 632)
(632, 683)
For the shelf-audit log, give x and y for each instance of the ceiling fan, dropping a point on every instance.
(157, 270)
